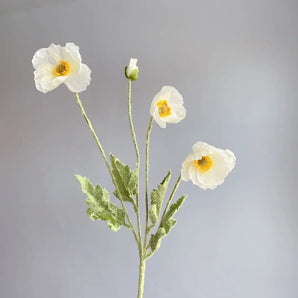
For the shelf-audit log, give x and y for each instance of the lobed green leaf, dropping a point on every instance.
(166, 224)
(157, 196)
(125, 180)
(100, 207)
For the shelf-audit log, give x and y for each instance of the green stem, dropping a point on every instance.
(138, 157)
(171, 196)
(142, 268)
(106, 162)
(132, 126)
(93, 132)
(139, 243)
(146, 178)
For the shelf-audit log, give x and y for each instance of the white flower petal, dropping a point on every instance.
(223, 162)
(184, 172)
(175, 98)
(166, 91)
(42, 57)
(74, 51)
(79, 82)
(159, 120)
(56, 53)
(45, 80)
(192, 173)
(174, 101)
(74, 74)
(203, 148)
(177, 115)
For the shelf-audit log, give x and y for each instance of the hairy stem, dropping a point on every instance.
(138, 157)
(146, 178)
(93, 133)
(142, 268)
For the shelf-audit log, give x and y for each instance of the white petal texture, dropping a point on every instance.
(207, 166)
(167, 106)
(56, 65)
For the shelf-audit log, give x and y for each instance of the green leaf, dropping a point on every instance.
(172, 210)
(166, 224)
(155, 239)
(100, 207)
(157, 196)
(125, 180)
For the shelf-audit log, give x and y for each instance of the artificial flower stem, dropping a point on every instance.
(171, 196)
(106, 162)
(139, 243)
(147, 177)
(142, 268)
(138, 156)
(93, 132)
(132, 127)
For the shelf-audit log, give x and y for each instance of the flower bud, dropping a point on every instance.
(132, 71)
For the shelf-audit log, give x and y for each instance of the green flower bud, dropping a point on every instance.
(132, 71)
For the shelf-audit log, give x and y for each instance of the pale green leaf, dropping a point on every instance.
(157, 196)
(166, 224)
(174, 208)
(155, 239)
(125, 180)
(100, 207)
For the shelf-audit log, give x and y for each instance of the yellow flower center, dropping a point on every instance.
(204, 164)
(62, 69)
(163, 108)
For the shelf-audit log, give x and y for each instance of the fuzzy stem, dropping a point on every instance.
(93, 132)
(142, 268)
(146, 178)
(138, 158)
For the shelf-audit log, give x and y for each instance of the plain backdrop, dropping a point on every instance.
(235, 63)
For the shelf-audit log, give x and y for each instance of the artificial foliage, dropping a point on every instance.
(207, 166)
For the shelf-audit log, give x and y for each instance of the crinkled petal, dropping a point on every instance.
(153, 107)
(165, 92)
(178, 114)
(74, 51)
(45, 80)
(59, 53)
(56, 52)
(192, 173)
(80, 81)
(42, 57)
(185, 167)
(223, 162)
(175, 98)
(203, 148)
(175, 102)
(159, 120)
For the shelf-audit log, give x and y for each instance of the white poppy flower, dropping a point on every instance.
(56, 65)
(167, 106)
(207, 166)
(132, 71)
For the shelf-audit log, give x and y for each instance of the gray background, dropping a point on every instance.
(235, 63)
